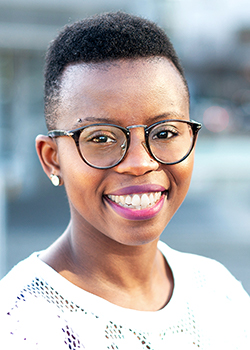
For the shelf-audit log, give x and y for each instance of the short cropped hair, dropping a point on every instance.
(105, 37)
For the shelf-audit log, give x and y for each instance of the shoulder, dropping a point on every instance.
(193, 263)
(23, 278)
(215, 299)
(25, 306)
(204, 275)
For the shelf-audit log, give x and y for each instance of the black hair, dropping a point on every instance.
(105, 37)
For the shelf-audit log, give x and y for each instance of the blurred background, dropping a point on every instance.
(212, 38)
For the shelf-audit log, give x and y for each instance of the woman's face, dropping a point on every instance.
(125, 93)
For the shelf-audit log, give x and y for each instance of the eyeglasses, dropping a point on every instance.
(104, 146)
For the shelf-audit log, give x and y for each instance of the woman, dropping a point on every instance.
(121, 142)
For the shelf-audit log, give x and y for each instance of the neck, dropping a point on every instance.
(136, 277)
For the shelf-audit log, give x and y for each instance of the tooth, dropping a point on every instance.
(122, 200)
(128, 200)
(144, 200)
(157, 196)
(136, 200)
(151, 198)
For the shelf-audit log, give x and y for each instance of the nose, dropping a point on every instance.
(138, 160)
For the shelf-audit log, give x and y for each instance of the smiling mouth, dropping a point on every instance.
(137, 200)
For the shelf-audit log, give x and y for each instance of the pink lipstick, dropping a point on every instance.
(137, 202)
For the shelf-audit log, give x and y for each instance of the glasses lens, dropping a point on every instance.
(171, 141)
(102, 146)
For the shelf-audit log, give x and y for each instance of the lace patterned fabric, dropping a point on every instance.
(208, 310)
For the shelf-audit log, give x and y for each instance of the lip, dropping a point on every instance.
(138, 214)
(138, 189)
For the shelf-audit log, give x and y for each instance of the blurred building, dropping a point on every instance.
(217, 55)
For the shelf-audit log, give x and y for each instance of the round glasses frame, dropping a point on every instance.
(75, 135)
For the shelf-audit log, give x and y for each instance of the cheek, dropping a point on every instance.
(186, 170)
(84, 190)
(181, 174)
(80, 180)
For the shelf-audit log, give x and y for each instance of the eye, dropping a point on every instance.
(164, 133)
(102, 139)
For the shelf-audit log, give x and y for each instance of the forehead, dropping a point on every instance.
(125, 86)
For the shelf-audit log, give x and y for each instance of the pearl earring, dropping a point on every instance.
(55, 180)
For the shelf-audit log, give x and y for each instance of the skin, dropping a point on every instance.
(100, 251)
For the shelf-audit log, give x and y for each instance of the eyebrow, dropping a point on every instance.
(93, 120)
(168, 115)
(100, 120)
(150, 120)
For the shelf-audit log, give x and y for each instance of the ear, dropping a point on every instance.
(47, 152)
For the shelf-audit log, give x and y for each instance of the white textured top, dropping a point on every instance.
(39, 309)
